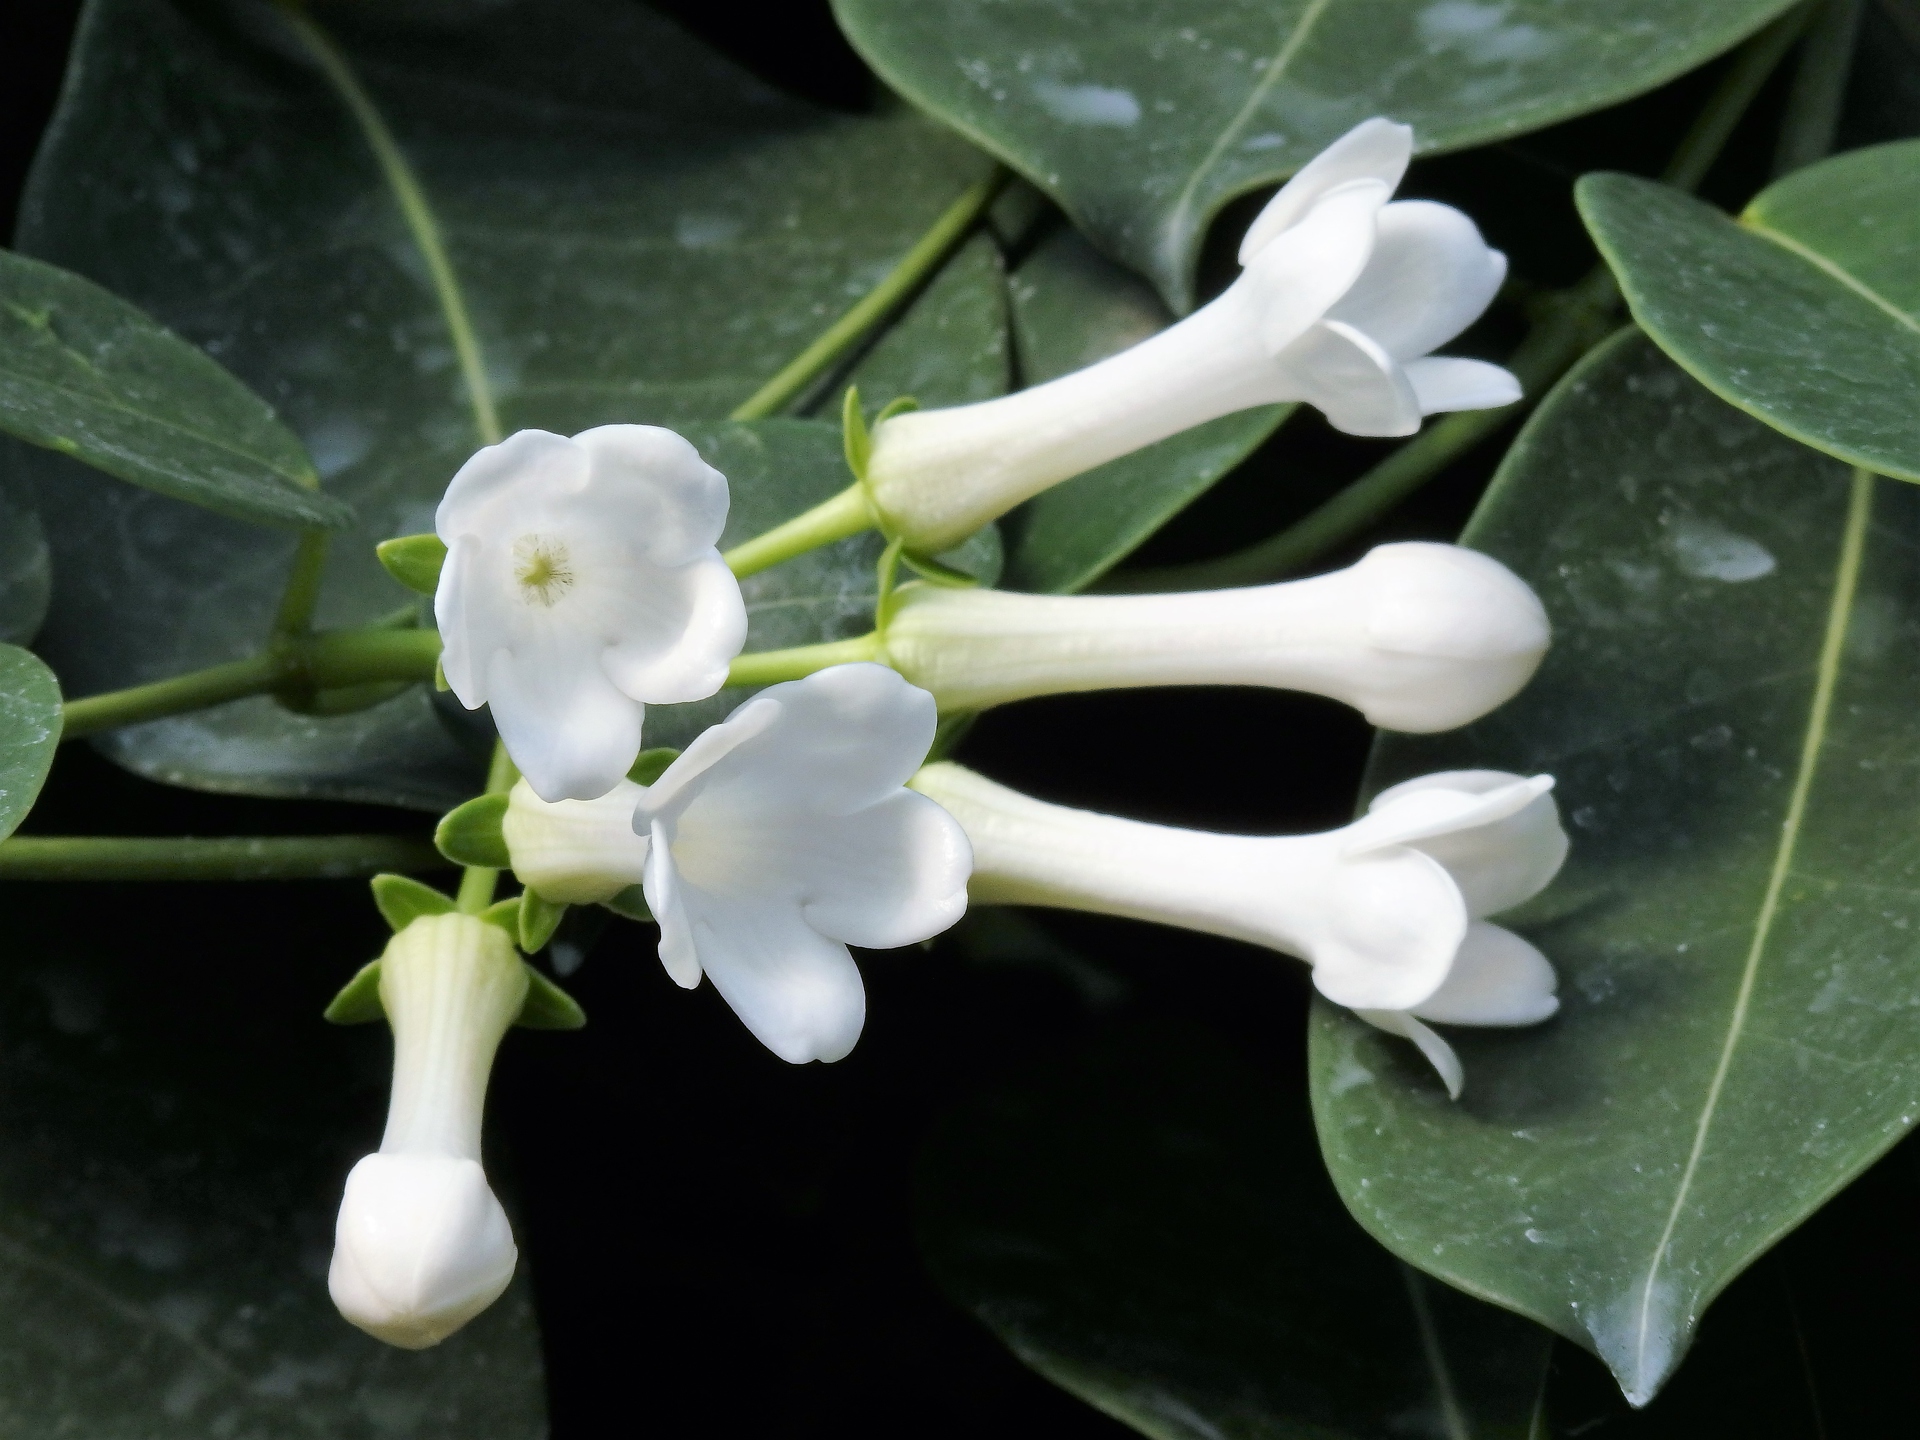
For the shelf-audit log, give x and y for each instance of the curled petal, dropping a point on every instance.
(677, 636)
(1442, 383)
(797, 991)
(1507, 857)
(676, 516)
(1390, 924)
(571, 732)
(1438, 1052)
(679, 953)
(1374, 149)
(1355, 383)
(893, 875)
(1430, 275)
(1497, 979)
(1294, 280)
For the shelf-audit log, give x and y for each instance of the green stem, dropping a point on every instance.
(477, 882)
(771, 666)
(1819, 85)
(302, 857)
(1566, 325)
(295, 615)
(929, 252)
(845, 514)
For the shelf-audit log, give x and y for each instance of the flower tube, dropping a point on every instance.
(1417, 636)
(1341, 300)
(421, 1245)
(1389, 911)
(581, 583)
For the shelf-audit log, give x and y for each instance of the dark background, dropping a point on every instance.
(722, 1244)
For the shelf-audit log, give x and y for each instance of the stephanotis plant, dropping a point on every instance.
(1609, 965)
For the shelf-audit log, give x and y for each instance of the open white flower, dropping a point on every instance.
(785, 834)
(581, 583)
(421, 1245)
(1342, 298)
(1388, 910)
(1417, 636)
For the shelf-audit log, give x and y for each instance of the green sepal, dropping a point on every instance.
(440, 677)
(414, 560)
(934, 572)
(650, 765)
(630, 903)
(470, 834)
(539, 918)
(854, 435)
(358, 1002)
(505, 914)
(886, 579)
(899, 405)
(403, 900)
(548, 1007)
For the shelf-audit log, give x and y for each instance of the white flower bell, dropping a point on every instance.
(575, 852)
(421, 1245)
(581, 583)
(1342, 298)
(1417, 636)
(1388, 910)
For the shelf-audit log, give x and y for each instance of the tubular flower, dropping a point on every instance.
(575, 852)
(1417, 636)
(581, 583)
(1388, 910)
(421, 1245)
(1341, 299)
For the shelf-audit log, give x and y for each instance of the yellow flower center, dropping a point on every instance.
(541, 566)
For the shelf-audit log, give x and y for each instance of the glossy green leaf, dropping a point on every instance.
(1729, 709)
(1072, 307)
(1143, 117)
(950, 348)
(636, 230)
(1805, 312)
(85, 373)
(26, 572)
(1147, 1224)
(29, 732)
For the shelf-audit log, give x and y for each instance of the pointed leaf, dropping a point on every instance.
(358, 1002)
(1729, 709)
(1143, 122)
(85, 373)
(469, 834)
(402, 900)
(29, 732)
(1806, 312)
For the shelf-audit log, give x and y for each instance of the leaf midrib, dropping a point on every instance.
(1832, 269)
(1846, 580)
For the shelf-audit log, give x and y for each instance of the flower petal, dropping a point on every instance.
(572, 734)
(1501, 855)
(1438, 1052)
(1497, 979)
(528, 463)
(1430, 275)
(575, 852)
(1391, 922)
(673, 632)
(678, 502)
(1374, 149)
(1355, 383)
(893, 874)
(1296, 279)
(678, 952)
(1444, 382)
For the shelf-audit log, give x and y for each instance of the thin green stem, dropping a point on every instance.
(278, 857)
(295, 615)
(477, 882)
(845, 514)
(929, 252)
(1566, 325)
(1819, 86)
(768, 667)
(412, 200)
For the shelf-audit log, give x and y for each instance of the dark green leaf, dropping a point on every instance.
(637, 230)
(469, 834)
(84, 373)
(1729, 707)
(548, 1007)
(1805, 313)
(1142, 119)
(402, 900)
(26, 572)
(1148, 1225)
(951, 347)
(29, 732)
(414, 560)
(358, 1002)
(1071, 308)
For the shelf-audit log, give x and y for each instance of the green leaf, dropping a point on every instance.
(86, 374)
(951, 347)
(29, 732)
(414, 560)
(1806, 312)
(1143, 122)
(539, 918)
(548, 1007)
(402, 900)
(651, 764)
(358, 1002)
(1729, 709)
(1070, 308)
(469, 834)
(636, 230)
(26, 572)
(1147, 1224)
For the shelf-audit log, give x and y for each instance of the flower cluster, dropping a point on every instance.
(581, 582)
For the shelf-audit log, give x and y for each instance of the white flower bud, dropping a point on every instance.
(422, 1245)
(575, 852)
(1341, 300)
(1418, 637)
(1388, 911)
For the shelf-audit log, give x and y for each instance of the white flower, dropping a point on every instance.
(1341, 300)
(1388, 910)
(1417, 636)
(779, 838)
(422, 1245)
(581, 583)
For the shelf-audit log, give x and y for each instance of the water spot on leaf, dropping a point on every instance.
(1709, 552)
(1088, 104)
